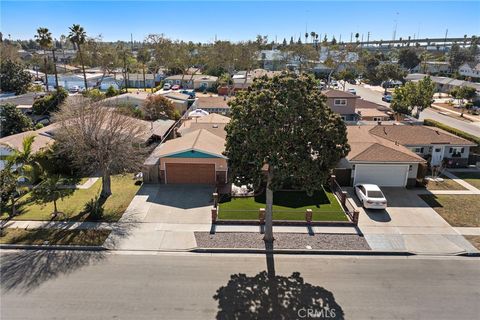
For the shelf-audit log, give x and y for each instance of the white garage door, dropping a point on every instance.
(381, 175)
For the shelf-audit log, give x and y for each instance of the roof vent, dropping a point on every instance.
(215, 126)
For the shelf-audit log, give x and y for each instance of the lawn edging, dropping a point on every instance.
(286, 223)
(51, 247)
(303, 251)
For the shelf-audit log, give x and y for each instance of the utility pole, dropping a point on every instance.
(368, 37)
(351, 37)
(445, 41)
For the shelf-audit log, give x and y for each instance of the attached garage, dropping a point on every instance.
(385, 175)
(194, 173)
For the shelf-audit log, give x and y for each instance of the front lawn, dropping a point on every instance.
(470, 177)
(459, 210)
(54, 237)
(446, 184)
(123, 191)
(287, 205)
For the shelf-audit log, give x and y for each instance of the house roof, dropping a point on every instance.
(212, 102)
(176, 96)
(42, 140)
(418, 135)
(125, 97)
(367, 147)
(339, 94)
(211, 118)
(199, 140)
(195, 77)
(365, 104)
(371, 112)
(214, 123)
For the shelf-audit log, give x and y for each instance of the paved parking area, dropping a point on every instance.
(408, 224)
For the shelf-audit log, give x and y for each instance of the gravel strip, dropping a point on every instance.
(320, 241)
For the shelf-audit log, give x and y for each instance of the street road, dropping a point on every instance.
(80, 285)
(376, 96)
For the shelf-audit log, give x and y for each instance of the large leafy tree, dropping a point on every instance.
(12, 120)
(461, 93)
(99, 139)
(13, 77)
(390, 71)
(77, 37)
(413, 96)
(408, 58)
(44, 39)
(8, 189)
(283, 124)
(158, 107)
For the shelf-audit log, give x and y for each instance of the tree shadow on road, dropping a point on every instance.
(26, 270)
(270, 296)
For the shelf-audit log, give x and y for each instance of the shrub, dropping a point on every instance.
(50, 103)
(94, 209)
(94, 94)
(111, 92)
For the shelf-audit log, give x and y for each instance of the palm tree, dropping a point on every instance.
(44, 39)
(312, 35)
(23, 159)
(77, 37)
(143, 57)
(306, 37)
(357, 35)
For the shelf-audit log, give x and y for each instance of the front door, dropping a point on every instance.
(437, 155)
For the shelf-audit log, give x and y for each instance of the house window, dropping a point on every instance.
(418, 150)
(340, 102)
(456, 151)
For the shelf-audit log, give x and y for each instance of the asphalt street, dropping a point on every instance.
(376, 96)
(82, 285)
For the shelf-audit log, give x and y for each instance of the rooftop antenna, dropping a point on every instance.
(395, 29)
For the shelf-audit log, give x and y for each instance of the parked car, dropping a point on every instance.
(167, 86)
(175, 87)
(370, 196)
(189, 92)
(74, 89)
(387, 98)
(352, 91)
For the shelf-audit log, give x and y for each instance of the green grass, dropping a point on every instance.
(72, 207)
(287, 205)
(470, 177)
(459, 210)
(54, 236)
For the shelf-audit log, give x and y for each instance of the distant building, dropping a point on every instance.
(432, 67)
(470, 70)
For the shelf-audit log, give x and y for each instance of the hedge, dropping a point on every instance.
(460, 133)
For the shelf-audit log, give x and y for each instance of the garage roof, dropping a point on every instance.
(371, 148)
(200, 140)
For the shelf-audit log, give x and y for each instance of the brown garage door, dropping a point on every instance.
(190, 173)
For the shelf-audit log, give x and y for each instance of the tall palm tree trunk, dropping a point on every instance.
(46, 70)
(83, 67)
(55, 68)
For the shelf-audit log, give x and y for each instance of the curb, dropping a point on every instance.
(52, 247)
(303, 252)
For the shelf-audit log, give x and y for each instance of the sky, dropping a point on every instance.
(201, 21)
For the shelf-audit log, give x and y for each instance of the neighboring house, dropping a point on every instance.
(179, 100)
(135, 80)
(377, 160)
(198, 81)
(43, 140)
(195, 158)
(433, 144)
(444, 84)
(343, 103)
(275, 59)
(213, 104)
(371, 111)
(470, 70)
(432, 67)
(337, 56)
(66, 68)
(135, 99)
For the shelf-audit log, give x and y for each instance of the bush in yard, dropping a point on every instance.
(111, 92)
(158, 107)
(94, 209)
(12, 120)
(13, 77)
(50, 103)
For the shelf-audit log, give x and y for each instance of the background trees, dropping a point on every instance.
(413, 96)
(158, 107)
(285, 124)
(13, 77)
(99, 139)
(461, 93)
(408, 58)
(13, 121)
(44, 39)
(50, 103)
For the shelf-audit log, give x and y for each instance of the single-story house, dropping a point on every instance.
(432, 67)
(212, 104)
(343, 103)
(371, 111)
(135, 99)
(433, 144)
(470, 70)
(444, 84)
(197, 81)
(373, 159)
(179, 100)
(195, 158)
(43, 140)
(135, 80)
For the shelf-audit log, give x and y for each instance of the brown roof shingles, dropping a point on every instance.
(418, 135)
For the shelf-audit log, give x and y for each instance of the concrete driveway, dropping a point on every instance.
(408, 224)
(164, 217)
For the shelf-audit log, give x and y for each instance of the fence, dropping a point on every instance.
(348, 206)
